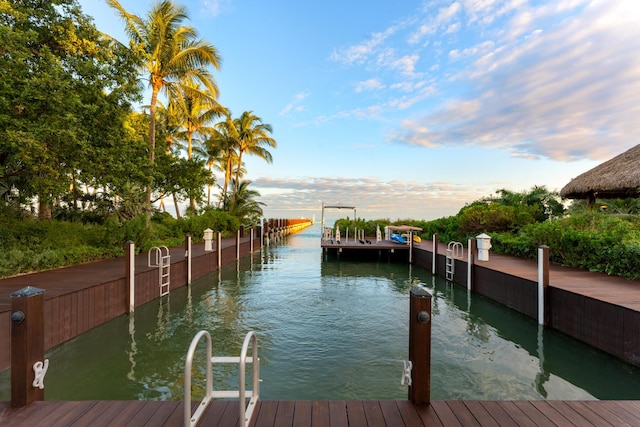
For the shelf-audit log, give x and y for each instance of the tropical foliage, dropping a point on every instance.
(71, 144)
(65, 97)
(605, 240)
(75, 153)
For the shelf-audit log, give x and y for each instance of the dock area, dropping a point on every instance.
(330, 413)
(362, 245)
(595, 288)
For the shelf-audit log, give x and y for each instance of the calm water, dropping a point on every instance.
(330, 329)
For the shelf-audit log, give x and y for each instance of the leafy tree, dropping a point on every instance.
(182, 177)
(64, 94)
(171, 56)
(546, 204)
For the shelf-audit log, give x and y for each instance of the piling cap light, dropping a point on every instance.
(27, 291)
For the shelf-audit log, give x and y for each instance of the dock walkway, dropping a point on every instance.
(330, 413)
(613, 290)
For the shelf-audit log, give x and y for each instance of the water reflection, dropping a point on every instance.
(330, 329)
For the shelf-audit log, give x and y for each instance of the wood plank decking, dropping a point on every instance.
(330, 413)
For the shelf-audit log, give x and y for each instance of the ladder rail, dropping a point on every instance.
(242, 394)
(454, 251)
(192, 420)
(162, 261)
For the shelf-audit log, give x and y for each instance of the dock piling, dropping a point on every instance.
(27, 345)
(420, 346)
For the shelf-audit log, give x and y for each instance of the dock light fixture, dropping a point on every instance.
(424, 317)
(17, 317)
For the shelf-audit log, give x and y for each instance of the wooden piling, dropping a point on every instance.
(420, 346)
(27, 344)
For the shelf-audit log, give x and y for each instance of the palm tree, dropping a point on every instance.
(168, 121)
(170, 54)
(243, 204)
(196, 110)
(225, 138)
(252, 138)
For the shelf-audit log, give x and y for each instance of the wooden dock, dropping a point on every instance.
(330, 413)
(596, 291)
(362, 245)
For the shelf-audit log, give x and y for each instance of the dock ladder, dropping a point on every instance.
(246, 411)
(454, 250)
(162, 260)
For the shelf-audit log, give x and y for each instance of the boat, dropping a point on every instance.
(396, 238)
(416, 238)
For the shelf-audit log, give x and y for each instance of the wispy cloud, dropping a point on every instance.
(359, 53)
(566, 92)
(295, 104)
(443, 19)
(367, 85)
(214, 7)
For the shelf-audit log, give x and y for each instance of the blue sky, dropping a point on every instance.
(411, 109)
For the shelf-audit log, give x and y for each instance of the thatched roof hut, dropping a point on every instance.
(617, 178)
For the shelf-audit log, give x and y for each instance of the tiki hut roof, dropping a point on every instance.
(617, 178)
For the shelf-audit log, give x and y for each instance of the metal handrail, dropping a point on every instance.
(245, 412)
(455, 249)
(161, 253)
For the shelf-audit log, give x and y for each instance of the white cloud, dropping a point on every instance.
(295, 104)
(359, 53)
(214, 7)
(443, 19)
(368, 85)
(568, 92)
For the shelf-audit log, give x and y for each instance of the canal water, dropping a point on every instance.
(330, 329)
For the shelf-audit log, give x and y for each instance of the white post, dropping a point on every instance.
(543, 281)
(434, 258)
(251, 239)
(132, 277)
(469, 266)
(410, 247)
(219, 248)
(238, 244)
(187, 254)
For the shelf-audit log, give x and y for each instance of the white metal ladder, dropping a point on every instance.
(163, 262)
(246, 411)
(454, 250)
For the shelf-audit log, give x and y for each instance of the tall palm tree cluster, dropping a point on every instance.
(178, 66)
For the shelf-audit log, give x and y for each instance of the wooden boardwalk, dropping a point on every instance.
(330, 413)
